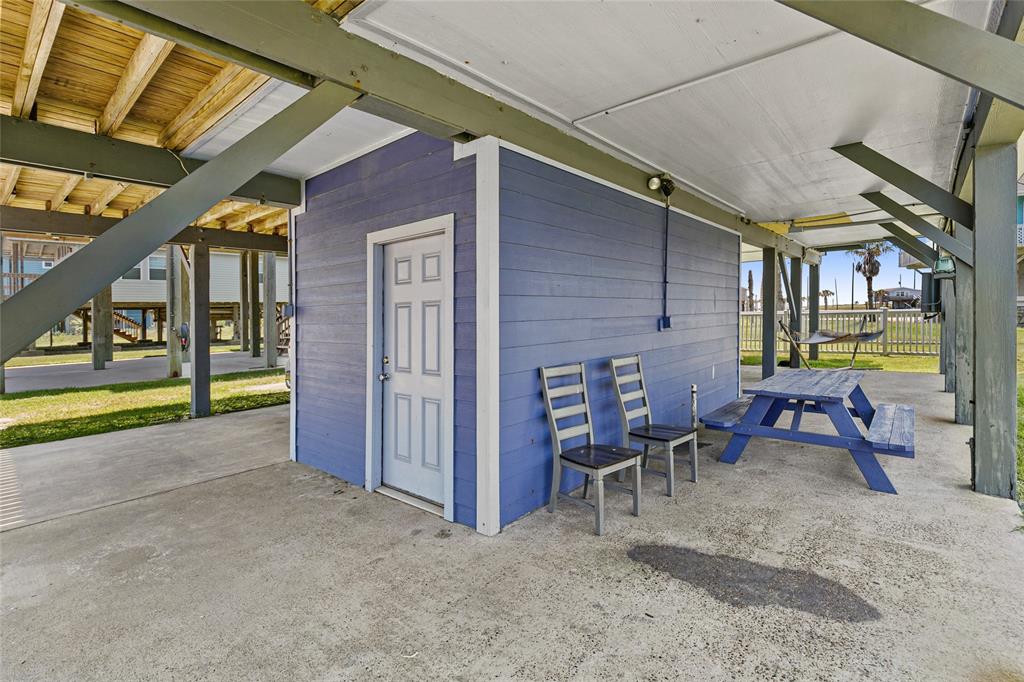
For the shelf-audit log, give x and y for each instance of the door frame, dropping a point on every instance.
(443, 225)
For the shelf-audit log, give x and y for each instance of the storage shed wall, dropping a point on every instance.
(581, 280)
(411, 179)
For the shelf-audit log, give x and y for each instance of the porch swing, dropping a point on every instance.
(825, 336)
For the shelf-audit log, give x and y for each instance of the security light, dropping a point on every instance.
(654, 183)
(661, 182)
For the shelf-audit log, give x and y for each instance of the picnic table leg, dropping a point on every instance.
(863, 406)
(774, 412)
(864, 458)
(756, 413)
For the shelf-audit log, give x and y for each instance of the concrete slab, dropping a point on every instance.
(79, 474)
(82, 374)
(783, 566)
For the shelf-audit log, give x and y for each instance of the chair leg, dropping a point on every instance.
(586, 484)
(599, 502)
(647, 452)
(556, 481)
(636, 488)
(670, 470)
(693, 458)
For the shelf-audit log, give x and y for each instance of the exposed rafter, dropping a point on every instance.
(221, 102)
(922, 226)
(147, 196)
(9, 184)
(106, 195)
(142, 66)
(215, 214)
(42, 29)
(216, 85)
(250, 217)
(65, 189)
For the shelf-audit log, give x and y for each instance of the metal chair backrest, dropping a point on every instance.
(628, 375)
(576, 385)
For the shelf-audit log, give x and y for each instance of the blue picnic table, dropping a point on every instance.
(837, 394)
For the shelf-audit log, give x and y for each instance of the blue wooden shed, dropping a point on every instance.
(432, 280)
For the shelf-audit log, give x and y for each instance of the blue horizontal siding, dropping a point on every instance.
(581, 280)
(408, 180)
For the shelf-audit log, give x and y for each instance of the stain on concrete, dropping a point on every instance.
(744, 583)
(443, 534)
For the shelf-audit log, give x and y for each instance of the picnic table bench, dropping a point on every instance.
(890, 426)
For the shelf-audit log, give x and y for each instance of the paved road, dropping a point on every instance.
(120, 371)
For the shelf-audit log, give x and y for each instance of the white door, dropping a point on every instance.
(413, 395)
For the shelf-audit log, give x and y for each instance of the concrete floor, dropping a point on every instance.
(82, 374)
(783, 566)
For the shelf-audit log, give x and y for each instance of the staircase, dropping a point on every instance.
(126, 327)
(284, 334)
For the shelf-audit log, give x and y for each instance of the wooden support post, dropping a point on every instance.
(142, 332)
(85, 326)
(963, 335)
(102, 310)
(813, 306)
(995, 316)
(769, 273)
(947, 353)
(243, 300)
(254, 303)
(269, 309)
(795, 305)
(199, 328)
(158, 322)
(173, 311)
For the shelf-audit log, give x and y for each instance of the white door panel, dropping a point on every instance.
(413, 396)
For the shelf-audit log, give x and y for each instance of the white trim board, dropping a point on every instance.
(468, 149)
(375, 241)
(488, 351)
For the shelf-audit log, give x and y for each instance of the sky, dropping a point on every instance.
(835, 275)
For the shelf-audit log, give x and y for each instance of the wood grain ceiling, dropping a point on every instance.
(65, 67)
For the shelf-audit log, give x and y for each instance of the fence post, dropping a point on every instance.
(885, 331)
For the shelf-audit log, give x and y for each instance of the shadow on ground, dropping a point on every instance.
(743, 583)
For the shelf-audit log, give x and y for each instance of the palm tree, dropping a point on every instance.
(868, 265)
(825, 295)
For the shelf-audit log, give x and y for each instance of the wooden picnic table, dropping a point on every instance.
(890, 427)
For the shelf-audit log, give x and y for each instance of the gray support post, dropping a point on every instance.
(269, 309)
(813, 306)
(173, 310)
(102, 310)
(254, 303)
(795, 305)
(963, 335)
(995, 379)
(243, 299)
(947, 358)
(80, 276)
(108, 326)
(199, 328)
(769, 273)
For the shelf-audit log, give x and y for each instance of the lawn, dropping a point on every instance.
(43, 416)
(889, 363)
(70, 358)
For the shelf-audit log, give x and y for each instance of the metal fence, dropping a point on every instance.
(906, 332)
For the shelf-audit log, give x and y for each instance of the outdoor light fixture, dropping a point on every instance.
(944, 268)
(661, 182)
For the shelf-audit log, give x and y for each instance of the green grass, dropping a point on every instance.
(56, 414)
(888, 363)
(1020, 416)
(70, 358)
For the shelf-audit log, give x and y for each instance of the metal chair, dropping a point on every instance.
(662, 439)
(592, 460)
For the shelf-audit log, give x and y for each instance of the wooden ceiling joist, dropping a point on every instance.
(221, 102)
(108, 194)
(249, 217)
(65, 189)
(184, 117)
(142, 66)
(9, 184)
(42, 29)
(219, 211)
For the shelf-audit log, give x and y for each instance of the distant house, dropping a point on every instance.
(898, 297)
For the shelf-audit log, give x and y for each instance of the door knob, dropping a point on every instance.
(383, 376)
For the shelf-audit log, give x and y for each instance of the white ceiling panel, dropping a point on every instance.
(741, 100)
(344, 136)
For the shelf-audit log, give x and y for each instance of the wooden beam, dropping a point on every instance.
(249, 217)
(9, 184)
(270, 223)
(217, 84)
(105, 197)
(30, 222)
(51, 147)
(42, 29)
(221, 102)
(215, 214)
(142, 66)
(65, 189)
(147, 196)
